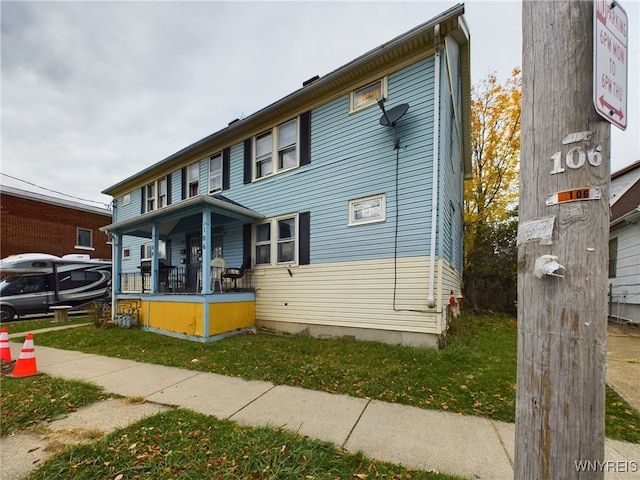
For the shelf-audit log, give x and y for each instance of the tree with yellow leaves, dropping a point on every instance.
(491, 195)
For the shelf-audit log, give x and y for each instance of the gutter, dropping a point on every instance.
(436, 160)
(630, 217)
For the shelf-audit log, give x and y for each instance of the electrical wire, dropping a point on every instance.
(395, 245)
(55, 191)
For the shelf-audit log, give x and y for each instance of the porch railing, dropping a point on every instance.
(182, 279)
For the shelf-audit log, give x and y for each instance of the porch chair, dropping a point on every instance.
(237, 273)
(217, 268)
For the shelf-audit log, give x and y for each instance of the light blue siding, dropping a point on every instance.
(352, 157)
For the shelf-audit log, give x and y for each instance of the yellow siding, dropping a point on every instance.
(227, 317)
(351, 294)
(179, 317)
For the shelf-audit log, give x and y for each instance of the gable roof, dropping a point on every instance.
(625, 193)
(314, 92)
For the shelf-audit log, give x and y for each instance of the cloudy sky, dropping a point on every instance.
(93, 92)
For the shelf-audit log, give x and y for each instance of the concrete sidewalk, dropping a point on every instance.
(471, 447)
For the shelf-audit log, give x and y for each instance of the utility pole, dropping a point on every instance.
(562, 248)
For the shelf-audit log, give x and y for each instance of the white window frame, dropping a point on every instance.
(148, 250)
(162, 192)
(275, 241)
(126, 199)
(215, 175)
(84, 247)
(276, 155)
(126, 253)
(194, 167)
(157, 199)
(150, 199)
(367, 202)
(353, 95)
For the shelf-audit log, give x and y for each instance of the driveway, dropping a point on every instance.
(623, 362)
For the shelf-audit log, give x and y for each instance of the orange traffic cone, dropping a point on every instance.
(26, 364)
(5, 351)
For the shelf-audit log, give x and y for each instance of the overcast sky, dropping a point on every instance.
(93, 92)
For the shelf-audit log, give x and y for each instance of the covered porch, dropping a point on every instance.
(193, 276)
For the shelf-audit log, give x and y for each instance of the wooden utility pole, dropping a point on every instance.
(564, 213)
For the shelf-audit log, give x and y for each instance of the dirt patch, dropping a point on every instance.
(24, 451)
(623, 362)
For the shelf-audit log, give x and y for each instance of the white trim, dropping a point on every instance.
(373, 101)
(126, 199)
(273, 242)
(365, 221)
(275, 157)
(211, 157)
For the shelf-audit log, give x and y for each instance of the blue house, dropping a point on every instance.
(335, 211)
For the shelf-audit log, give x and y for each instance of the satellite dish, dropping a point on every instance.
(390, 117)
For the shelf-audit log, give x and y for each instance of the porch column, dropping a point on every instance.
(116, 268)
(155, 263)
(206, 251)
(116, 262)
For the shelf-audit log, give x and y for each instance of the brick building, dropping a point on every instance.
(34, 223)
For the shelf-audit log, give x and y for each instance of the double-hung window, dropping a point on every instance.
(162, 192)
(156, 194)
(276, 149)
(276, 241)
(215, 173)
(151, 197)
(193, 178)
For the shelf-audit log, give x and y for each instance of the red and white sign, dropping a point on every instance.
(610, 61)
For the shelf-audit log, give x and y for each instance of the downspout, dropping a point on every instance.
(436, 160)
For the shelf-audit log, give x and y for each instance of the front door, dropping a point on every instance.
(194, 260)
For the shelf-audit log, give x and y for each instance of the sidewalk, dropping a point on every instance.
(471, 447)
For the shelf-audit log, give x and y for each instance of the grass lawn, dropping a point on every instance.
(19, 326)
(181, 444)
(30, 401)
(474, 375)
(178, 443)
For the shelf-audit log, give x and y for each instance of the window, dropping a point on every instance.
(156, 195)
(162, 192)
(276, 241)
(368, 95)
(84, 238)
(215, 173)
(193, 178)
(147, 253)
(151, 197)
(282, 139)
(126, 253)
(613, 256)
(367, 210)
(263, 244)
(126, 199)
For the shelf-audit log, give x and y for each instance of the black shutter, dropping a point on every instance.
(305, 138)
(142, 199)
(141, 251)
(248, 161)
(246, 240)
(169, 189)
(184, 183)
(304, 230)
(226, 168)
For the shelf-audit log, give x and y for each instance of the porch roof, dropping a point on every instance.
(168, 217)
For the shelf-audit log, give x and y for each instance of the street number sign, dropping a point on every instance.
(610, 61)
